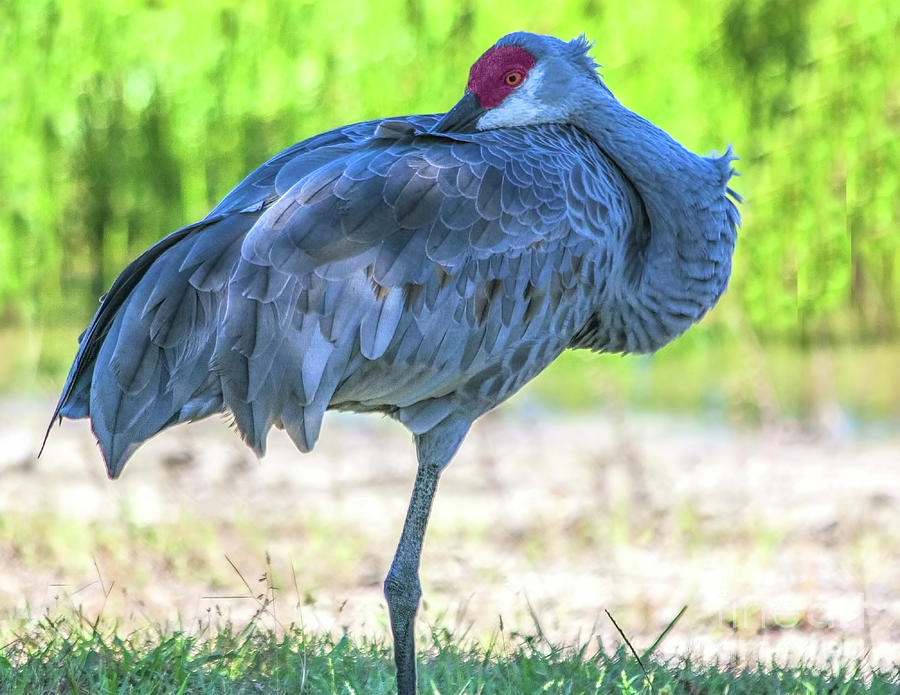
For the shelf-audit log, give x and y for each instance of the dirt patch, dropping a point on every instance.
(780, 543)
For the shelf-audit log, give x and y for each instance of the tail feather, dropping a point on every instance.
(144, 362)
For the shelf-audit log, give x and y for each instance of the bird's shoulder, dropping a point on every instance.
(390, 187)
(529, 155)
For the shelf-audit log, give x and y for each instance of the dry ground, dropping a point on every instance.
(780, 542)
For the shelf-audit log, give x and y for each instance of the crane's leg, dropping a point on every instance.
(401, 586)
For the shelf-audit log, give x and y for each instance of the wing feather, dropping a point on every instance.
(402, 211)
(157, 347)
(375, 267)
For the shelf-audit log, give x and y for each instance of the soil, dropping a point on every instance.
(781, 541)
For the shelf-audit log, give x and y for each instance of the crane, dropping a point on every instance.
(424, 267)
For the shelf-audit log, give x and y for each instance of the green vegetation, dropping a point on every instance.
(69, 656)
(125, 120)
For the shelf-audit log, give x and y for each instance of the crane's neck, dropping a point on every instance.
(680, 259)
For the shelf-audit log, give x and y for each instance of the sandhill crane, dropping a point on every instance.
(424, 267)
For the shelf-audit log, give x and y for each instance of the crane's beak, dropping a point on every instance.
(462, 117)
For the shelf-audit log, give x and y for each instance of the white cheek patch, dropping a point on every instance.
(523, 106)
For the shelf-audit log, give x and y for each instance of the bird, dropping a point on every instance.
(424, 267)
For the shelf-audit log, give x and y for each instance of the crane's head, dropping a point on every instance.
(525, 79)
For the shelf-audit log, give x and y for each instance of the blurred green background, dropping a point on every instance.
(124, 119)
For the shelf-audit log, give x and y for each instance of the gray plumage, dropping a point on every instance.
(425, 267)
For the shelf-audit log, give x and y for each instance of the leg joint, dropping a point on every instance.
(402, 588)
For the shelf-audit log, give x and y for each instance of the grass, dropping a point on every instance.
(70, 655)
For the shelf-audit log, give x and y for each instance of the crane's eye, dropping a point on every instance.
(514, 78)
